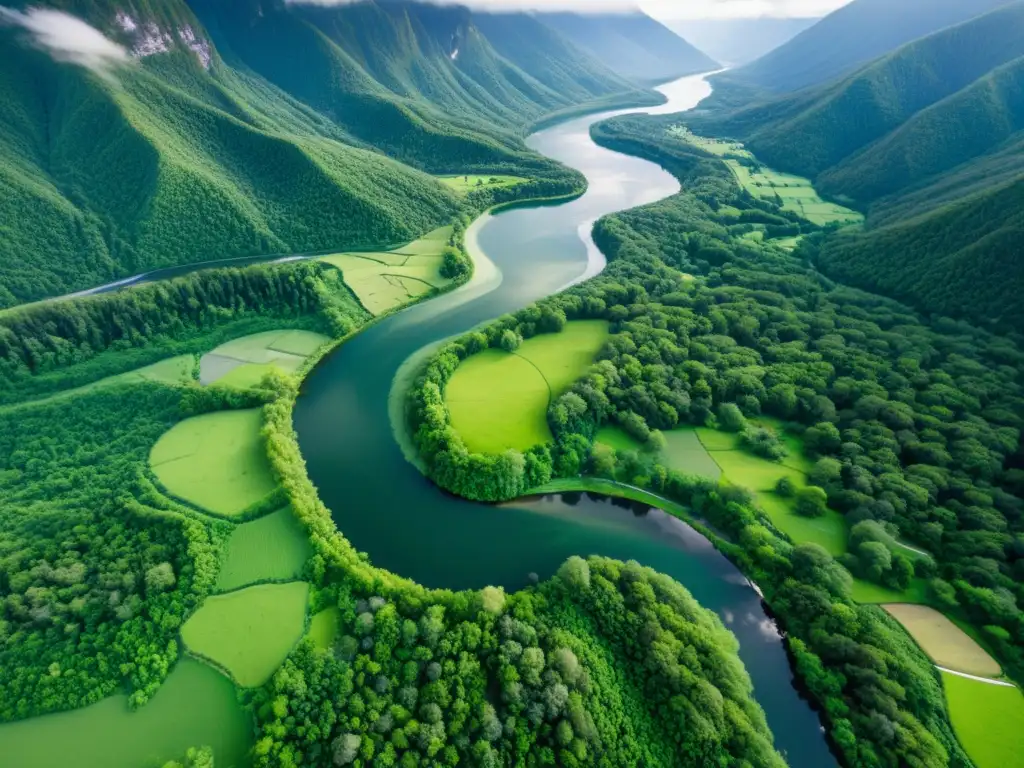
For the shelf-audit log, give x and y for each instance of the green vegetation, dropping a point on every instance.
(470, 182)
(249, 632)
(216, 461)
(875, 594)
(325, 627)
(273, 548)
(498, 398)
(989, 720)
(943, 641)
(244, 361)
(927, 140)
(387, 280)
(795, 194)
(196, 705)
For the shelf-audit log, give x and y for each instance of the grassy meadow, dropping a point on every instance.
(325, 627)
(196, 705)
(499, 400)
(215, 461)
(944, 642)
(249, 632)
(273, 548)
(988, 720)
(243, 362)
(385, 280)
(464, 184)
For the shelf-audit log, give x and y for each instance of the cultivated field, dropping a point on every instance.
(988, 720)
(195, 705)
(385, 280)
(499, 400)
(946, 644)
(795, 193)
(274, 547)
(243, 362)
(251, 631)
(215, 461)
(465, 184)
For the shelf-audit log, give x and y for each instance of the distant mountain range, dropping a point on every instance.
(255, 126)
(928, 140)
(739, 41)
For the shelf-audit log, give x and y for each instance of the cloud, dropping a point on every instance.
(67, 38)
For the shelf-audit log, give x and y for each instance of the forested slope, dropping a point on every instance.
(633, 44)
(237, 129)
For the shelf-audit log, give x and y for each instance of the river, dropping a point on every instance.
(387, 509)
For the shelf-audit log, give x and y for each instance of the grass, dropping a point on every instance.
(325, 627)
(274, 548)
(870, 593)
(720, 147)
(611, 488)
(216, 461)
(466, 184)
(249, 632)
(243, 362)
(683, 451)
(499, 400)
(944, 642)
(385, 280)
(195, 705)
(796, 194)
(988, 720)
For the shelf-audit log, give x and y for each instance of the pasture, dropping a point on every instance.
(794, 193)
(683, 451)
(216, 461)
(244, 361)
(988, 720)
(273, 548)
(944, 642)
(499, 400)
(875, 594)
(195, 705)
(325, 627)
(464, 184)
(249, 632)
(719, 147)
(385, 280)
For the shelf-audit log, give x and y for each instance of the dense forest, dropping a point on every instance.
(915, 429)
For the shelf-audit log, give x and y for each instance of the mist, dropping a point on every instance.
(67, 38)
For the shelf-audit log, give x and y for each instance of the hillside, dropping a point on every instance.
(242, 128)
(740, 41)
(632, 44)
(853, 35)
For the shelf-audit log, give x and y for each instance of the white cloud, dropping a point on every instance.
(66, 38)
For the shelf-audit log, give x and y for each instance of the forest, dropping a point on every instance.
(915, 428)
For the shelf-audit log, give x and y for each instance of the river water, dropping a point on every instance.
(386, 508)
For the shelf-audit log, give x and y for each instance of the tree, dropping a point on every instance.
(811, 501)
(510, 340)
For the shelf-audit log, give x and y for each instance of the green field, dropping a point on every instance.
(249, 632)
(385, 280)
(988, 720)
(196, 705)
(683, 451)
(499, 400)
(216, 461)
(465, 184)
(944, 642)
(244, 361)
(273, 548)
(869, 592)
(324, 627)
(796, 194)
(720, 147)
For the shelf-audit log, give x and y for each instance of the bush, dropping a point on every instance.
(811, 501)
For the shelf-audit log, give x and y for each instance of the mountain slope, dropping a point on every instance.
(632, 44)
(854, 34)
(740, 41)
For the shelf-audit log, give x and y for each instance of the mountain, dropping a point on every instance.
(851, 36)
(929, 141)
(739, 41)
(632, 44)
(247, 127)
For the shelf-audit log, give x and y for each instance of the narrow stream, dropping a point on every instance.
(385, 507)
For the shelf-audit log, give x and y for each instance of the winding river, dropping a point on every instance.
(407, 525)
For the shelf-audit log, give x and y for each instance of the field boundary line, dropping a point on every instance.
(988, 680)
(551, 393)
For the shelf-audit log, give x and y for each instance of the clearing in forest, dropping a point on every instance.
(216, 461)
(273, 548)
(465, 184)
(325, 627)
(499, 400)
(195, 705)
(244, 361)
(249, 632)
(385, 280)
(683, 451)
(944, 642)
(869, 593)
(988, 720)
